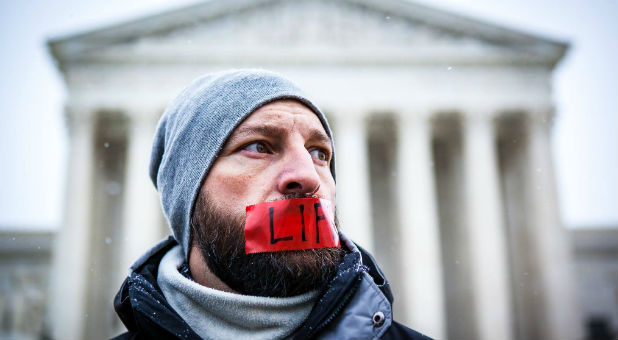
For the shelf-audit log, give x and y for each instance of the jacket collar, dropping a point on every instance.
(358, 290)
(141, 306)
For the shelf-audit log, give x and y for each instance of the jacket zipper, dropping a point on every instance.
(344, 301)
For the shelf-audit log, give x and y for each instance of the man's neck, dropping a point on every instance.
(200, 272)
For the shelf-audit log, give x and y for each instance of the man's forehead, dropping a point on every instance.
(284, 106)
(278, 115)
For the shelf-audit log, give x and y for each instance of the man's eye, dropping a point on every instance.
(258, 147)
(319, 155)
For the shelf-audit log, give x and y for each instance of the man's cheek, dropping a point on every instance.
(328, 188)
(235, 182)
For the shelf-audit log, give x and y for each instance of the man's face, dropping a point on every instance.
(280, 151)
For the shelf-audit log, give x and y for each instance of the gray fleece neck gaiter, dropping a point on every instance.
(214, 314)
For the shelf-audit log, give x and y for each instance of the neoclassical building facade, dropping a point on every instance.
(442, 129)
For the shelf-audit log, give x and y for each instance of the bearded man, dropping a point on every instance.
(245, 168)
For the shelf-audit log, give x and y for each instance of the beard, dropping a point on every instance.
(221, 240)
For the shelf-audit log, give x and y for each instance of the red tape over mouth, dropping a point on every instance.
(301, 223)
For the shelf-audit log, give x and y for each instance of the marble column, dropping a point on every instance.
(353, 191)
(485, 228)
(548, 236)
(142, 209)
(423, 295)
(69, 279)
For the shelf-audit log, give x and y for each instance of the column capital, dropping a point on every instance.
(538, 120)
(79, 120)
(486, 120)
(416, 115)
(540, 115)
(78, 115)
(482, 113)
(350, 112)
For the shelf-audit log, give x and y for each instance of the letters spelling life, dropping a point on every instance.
(302, 223)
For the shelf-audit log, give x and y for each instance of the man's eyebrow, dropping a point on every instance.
(319, 136)
(268, 130)
(314, 135)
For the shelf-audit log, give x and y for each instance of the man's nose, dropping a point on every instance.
(298, 173)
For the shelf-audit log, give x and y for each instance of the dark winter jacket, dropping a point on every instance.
(356, 304)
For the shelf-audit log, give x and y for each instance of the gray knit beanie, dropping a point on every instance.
(196, 125)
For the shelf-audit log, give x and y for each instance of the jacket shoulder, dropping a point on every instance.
(399, 331)
(396, 330)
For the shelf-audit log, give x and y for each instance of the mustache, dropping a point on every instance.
(293, 195)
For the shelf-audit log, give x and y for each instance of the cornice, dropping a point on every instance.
(102, 45)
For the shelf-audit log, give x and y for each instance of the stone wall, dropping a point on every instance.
(596, 268)
(24, 280)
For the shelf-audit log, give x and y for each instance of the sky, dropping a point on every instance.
(33, 135)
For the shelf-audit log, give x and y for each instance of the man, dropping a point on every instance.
(245, 167)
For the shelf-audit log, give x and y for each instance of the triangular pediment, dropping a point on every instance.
(308, 31)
